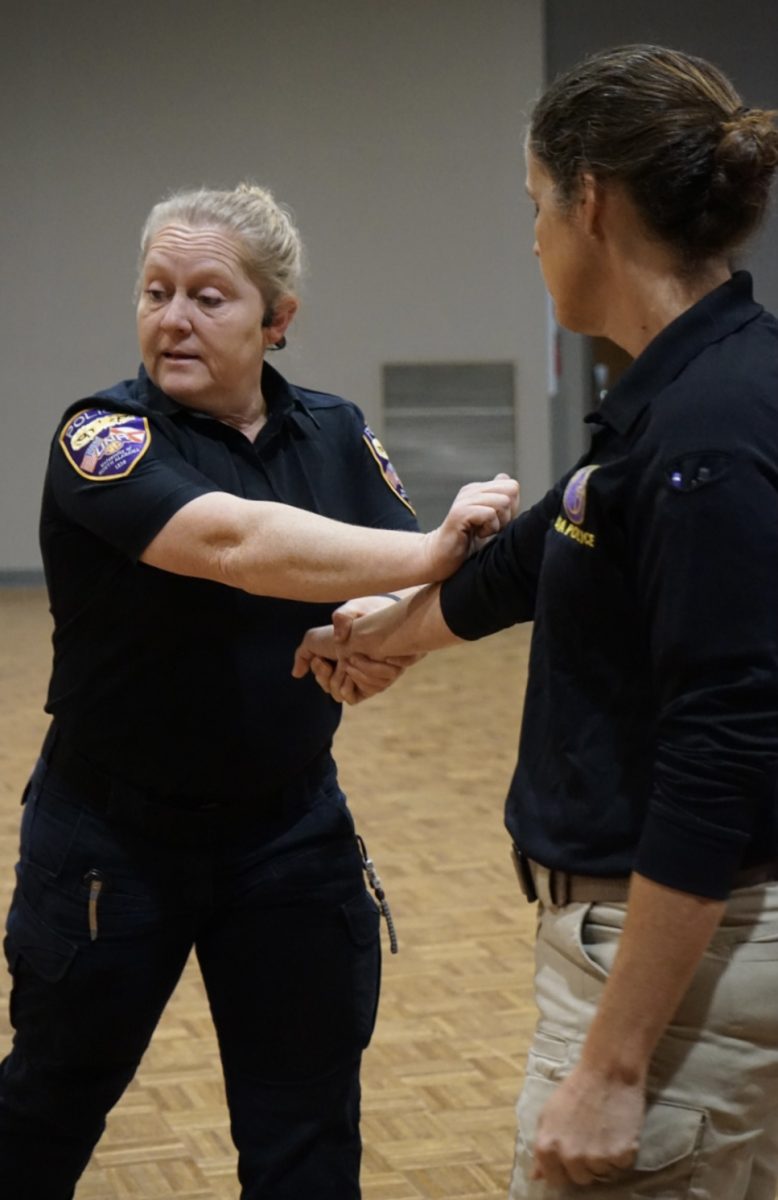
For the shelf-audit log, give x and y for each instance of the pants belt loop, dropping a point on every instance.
(523, 870)
(559, 888)
(545, 885)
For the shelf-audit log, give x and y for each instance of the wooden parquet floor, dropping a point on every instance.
(425, 767)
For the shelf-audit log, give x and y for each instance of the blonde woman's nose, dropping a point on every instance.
(178, 312)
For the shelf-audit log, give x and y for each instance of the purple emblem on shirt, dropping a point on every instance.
(102, 445)
(574, 499)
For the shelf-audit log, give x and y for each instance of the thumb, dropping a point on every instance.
(342, 624)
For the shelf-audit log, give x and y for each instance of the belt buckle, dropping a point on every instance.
(524, 874)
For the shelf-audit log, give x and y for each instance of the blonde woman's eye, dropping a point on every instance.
(208, 300)
(154, 293)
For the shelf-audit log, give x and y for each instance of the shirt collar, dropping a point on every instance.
(284, 401)
(718, 314)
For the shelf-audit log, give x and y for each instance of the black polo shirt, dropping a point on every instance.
(176, 684)
(650, 731)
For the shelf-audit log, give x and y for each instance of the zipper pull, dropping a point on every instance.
(96, 880)
(372, 877)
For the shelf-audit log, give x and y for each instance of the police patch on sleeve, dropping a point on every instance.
(102, 445)
(390, 476)
(574, 499)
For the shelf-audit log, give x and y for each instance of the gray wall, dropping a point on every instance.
(393, 129)
(741, 38)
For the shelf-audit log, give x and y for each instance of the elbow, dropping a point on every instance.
(229, 565)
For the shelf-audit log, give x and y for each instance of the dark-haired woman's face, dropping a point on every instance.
(565, 250)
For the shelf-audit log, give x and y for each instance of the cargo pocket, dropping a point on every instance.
(363, 923)
(41, 947)
(50, 822)
(48, 1019)
(669, 1147)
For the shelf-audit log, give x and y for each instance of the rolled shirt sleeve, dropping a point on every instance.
(705, 536)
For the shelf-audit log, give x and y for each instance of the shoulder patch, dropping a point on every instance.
(102, 445)
(574, 499)
(390, 476)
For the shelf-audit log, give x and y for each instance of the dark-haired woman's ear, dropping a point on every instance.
(590, 203)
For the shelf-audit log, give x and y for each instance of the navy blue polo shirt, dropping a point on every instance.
(175, 684)
(649, 737)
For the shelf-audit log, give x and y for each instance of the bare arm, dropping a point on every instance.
(357, 678)
(413, 626)
(592, 1123)
(275, 550)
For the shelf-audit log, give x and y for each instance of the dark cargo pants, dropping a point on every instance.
(102, 921)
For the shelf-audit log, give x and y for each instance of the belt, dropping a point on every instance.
(555, 888)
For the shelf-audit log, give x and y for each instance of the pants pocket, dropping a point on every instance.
(50, 822)
(294, 989)
(363, 922)
(600, 931)
(38, 959)
(47, 952)
(668, 1153)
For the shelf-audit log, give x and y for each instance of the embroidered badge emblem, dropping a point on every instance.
(387, 470)
(574, 499)
(102, 445)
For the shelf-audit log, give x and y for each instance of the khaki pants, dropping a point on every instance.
(711, 1130)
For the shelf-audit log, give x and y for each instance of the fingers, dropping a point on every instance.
(349, 679)
(352, 680)
(502, 487)
(484, 521)
(550, 1168)
(488, 507)
(322, 670)
(302, 661)
(369, 674)
(517, 501)
(479, 510)
(400, 660)
(342, 688)
(588, 1130)
(561, 1160)
(333, 679)
(558, 1171)
(317, 642)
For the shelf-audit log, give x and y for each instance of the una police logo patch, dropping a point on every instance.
(387, 470)
(574, 499)
(102, 445)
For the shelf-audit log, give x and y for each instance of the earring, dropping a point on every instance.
(279, 345)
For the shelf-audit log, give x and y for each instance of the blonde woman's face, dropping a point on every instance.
(200, 320)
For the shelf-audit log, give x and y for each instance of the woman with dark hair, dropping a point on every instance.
(643, 807)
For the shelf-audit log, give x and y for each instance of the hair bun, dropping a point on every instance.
(748, 147)
(672, 130)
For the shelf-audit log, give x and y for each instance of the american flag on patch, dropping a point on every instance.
(92, 456)
(123, 433)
